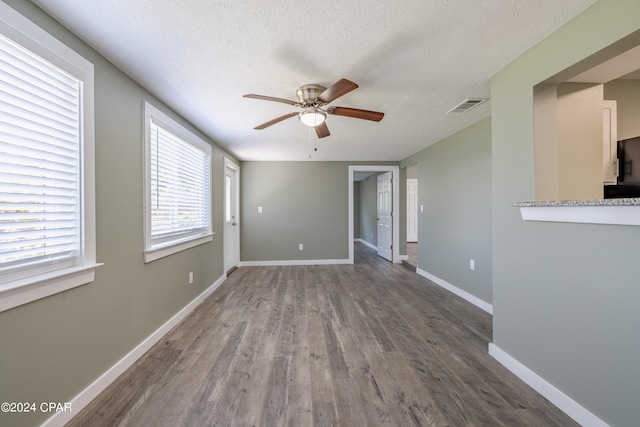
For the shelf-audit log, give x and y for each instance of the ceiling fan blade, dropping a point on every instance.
(322, 130)
(276, 120)
(336, 90)
(271, 98)
(356, 113)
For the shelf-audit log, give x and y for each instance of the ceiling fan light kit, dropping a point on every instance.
(313, 98)
(312, 118)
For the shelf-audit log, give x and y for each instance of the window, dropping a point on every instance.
(47, 214)
(177, 187)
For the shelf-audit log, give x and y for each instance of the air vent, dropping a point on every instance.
(467, 105)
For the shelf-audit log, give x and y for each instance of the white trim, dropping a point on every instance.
(396, 205)
(614, 215)
(33, 288)
(404, 257)
(480, 303)
(94, 389)
(570, 407)
(364, 242)
(294, 262)
(174, 247)
(28, 34)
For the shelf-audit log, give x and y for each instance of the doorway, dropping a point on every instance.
(412, 210)
(395, 207)
(412, 215)
(231, 234)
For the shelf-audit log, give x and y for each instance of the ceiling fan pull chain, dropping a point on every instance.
(315, 143)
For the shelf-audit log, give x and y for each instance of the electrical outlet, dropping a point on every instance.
(472, 264)
(190, 277)
(300, 247)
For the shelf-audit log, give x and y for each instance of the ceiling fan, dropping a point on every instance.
(313, 100)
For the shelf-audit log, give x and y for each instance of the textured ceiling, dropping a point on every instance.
(413, 59)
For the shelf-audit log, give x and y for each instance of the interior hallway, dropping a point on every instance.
(367, 344)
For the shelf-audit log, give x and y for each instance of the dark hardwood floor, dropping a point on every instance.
(369, 344)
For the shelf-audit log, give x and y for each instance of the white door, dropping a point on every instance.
(385, 197)
(412, 210)
(231, 227)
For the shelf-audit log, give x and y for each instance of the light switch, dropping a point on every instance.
(421, 208)
(259, 209)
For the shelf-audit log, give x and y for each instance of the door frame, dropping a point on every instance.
(395, 203)
(229, 164)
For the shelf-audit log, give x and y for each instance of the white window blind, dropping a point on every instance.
(40, 174)
(177, 187)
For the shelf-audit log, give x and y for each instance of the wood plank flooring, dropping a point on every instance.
(369, 344)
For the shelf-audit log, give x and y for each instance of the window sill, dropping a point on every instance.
(172, 248)
(606, 211)
(30, 289)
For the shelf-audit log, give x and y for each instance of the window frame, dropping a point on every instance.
(154, 251)
(33, 38)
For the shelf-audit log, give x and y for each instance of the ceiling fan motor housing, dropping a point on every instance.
(308, 94)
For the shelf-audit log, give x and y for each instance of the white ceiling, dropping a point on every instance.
(413, 59)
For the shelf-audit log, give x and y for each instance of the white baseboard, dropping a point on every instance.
(454, 289)
(567, 405)
(293, 262)
(371, 245)
(94, 389)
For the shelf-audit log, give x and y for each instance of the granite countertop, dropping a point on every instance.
(574, 203)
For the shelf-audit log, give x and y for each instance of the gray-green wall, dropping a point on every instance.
(454, 186)
(53, 348)
(565, 296)
(302, 202)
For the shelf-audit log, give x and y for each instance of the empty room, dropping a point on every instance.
(300, 213)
